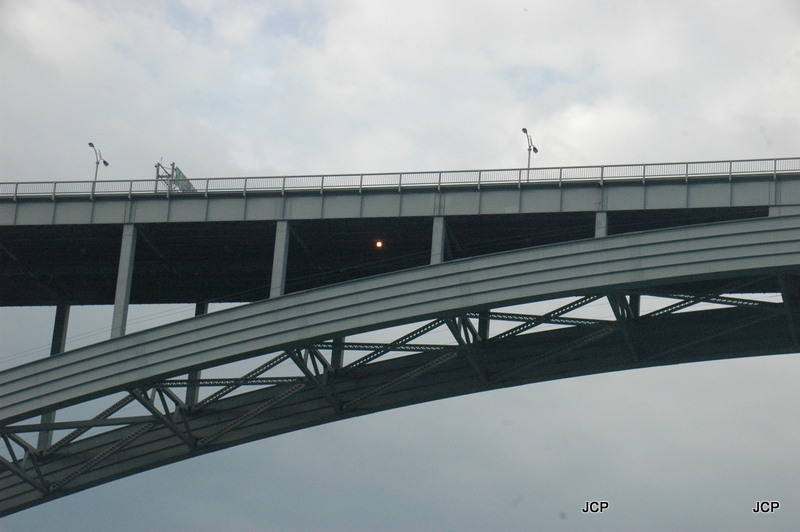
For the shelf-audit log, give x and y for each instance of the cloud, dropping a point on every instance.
(291, 87)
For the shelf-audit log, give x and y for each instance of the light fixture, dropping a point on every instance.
(98, 158)
(531, 148)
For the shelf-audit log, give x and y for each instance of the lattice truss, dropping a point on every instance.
(170, 420)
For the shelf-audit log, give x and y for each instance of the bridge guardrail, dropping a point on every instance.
(768, 168)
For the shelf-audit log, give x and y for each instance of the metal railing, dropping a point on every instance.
(757, 168)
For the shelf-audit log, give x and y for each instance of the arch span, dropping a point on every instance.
(334, 376)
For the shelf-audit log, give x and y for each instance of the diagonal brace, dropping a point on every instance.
(403, 378)
(400, 341)
(240, 382)
(556, 353)
(102, 456)
(166, 421)
(252, 413)
(462, 331)
(624, 314)
(22, 474)
(326, 390)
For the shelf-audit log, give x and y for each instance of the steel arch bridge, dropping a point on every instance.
(138, 401)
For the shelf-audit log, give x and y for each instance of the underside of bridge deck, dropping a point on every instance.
(43, 265)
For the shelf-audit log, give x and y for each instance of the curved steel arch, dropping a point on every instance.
(690, 265)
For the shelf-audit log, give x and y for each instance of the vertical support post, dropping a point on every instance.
(193, 390)
(437, 241)
(56, 346)
(279, 259)
(483, 325)
(122, 296)
(601, 224)
(635, 302)
(337, 353)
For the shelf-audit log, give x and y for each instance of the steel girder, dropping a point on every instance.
(294, 380)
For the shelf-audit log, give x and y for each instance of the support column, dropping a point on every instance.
(122, 296)
(483, 325)
(437, 241)
(337, 353)
(57, 346)
(601, 224)
(280, 258)
(635, 301)
(193, 390)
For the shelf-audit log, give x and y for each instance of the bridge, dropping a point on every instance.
(363, 293)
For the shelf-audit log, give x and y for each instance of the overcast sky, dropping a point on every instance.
(228, 88)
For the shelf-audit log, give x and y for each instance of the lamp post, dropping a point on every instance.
(532, 148)
(98, 158)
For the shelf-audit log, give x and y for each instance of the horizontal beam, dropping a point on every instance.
(778, 192)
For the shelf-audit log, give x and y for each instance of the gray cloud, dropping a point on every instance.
(292, 87)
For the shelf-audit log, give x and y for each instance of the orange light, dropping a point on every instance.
(379, 243)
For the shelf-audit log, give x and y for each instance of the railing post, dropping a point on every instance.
(130, 189)
(399, 182)
(644, 172)
(439, 183)
(602, 171)
(775, 169)
(206, 188)
(16, 187)
(244, 192)
(321, 184)
(730, 170)
(519, 179)
(479, 179)
(53, 197)
(560, 172)
(360, 183)
(283, 186)
(687, 173)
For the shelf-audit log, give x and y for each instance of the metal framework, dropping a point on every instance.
(131, 403)
(173, 181)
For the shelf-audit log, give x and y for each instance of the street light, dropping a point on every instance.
(98, 158)
(532, 148)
